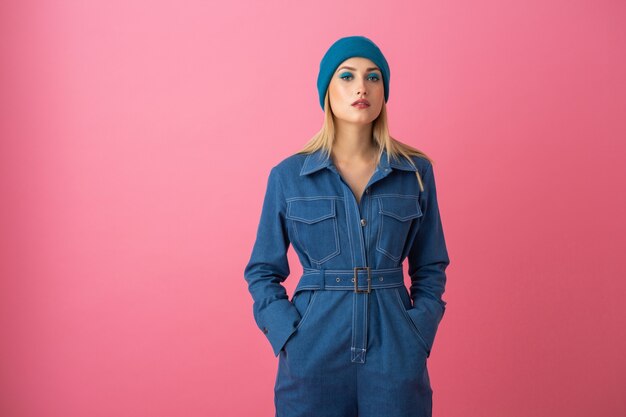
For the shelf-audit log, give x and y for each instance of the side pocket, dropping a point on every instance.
(404, 305)
(303, 301)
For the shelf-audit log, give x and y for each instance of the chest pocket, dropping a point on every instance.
(314, 222)
(396, 213)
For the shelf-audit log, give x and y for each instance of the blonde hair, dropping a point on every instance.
(380, 131)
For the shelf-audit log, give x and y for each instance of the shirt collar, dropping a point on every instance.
(317, 160)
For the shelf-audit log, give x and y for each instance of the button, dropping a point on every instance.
(265, 330)
(338, 279)
(381, 278)
(367, 190)
(352, 280)
(363, 222)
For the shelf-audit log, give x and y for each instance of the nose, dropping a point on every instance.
(360, 88)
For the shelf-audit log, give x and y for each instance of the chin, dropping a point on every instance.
(362, 119)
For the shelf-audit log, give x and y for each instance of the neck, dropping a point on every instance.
(353, 141)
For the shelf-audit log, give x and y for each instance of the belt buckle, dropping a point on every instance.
(356, 280)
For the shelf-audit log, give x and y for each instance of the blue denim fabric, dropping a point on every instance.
(343, 352)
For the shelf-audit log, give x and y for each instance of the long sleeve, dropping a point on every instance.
(268, 267)
(428, 260)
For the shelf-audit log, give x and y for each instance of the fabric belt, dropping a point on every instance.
(360, 279)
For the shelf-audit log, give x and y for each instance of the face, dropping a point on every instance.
(356, 78)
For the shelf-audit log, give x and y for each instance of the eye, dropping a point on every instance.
(345, 75)
(374, 76)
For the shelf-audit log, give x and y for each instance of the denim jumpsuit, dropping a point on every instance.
(353, 340)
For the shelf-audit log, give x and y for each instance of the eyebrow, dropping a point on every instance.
(354, 69)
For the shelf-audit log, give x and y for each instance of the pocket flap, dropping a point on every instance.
(311, 211)
(402, 208)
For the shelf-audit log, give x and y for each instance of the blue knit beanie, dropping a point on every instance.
(345, 48)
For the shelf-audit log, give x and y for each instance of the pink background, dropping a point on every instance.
(136, 139)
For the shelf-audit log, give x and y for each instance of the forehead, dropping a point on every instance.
(357, 62)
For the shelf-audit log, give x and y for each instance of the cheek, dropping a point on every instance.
(338, 92)
(379, 89)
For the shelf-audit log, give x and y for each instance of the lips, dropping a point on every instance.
(361, 102)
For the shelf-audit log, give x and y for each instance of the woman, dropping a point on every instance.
(354, 203)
